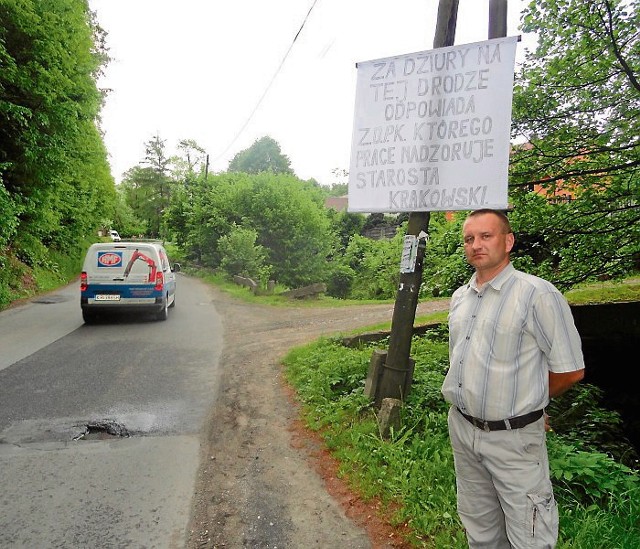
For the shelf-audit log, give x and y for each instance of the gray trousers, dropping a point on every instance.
(505, 497)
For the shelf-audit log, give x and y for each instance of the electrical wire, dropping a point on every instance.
(244, 126)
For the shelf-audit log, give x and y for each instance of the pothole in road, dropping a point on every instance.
(103, 430)
(49, 299)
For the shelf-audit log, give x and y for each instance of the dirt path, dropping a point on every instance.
(264, 481)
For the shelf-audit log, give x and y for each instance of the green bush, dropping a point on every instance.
(241, 255)
(340, 281)
(8, 215)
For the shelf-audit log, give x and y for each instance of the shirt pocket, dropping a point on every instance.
(500, 338)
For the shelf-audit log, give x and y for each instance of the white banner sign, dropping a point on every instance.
(431, 129)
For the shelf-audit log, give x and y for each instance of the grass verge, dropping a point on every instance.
(412, 471)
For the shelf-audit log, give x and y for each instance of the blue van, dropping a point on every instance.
(127, 276)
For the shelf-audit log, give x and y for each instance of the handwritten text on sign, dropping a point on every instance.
(431, 129)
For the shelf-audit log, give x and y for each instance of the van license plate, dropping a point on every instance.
(107, 297)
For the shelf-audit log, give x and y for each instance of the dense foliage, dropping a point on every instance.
(56, 189)
(287, 216)
(263, 156)
(577, 106)
(147, 189)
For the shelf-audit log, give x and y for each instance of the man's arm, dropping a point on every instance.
(560, 383)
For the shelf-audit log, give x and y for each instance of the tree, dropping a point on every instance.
(577, 105)
(376, 266)
(338, 189)
(445, 265)
(293, 226)
(124, 219)
(148, 186)
(178, 215)
(242, 256)
(286, 214)
(345, 226)
(206, 212)
(190, 163)
(53, 163)
(263, 156)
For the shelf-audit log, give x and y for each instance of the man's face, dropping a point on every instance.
(486, 245)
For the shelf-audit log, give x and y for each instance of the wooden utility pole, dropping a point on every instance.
(397, 369)
(497, 18)
(397, 366)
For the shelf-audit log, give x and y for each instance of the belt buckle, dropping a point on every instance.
(485, 426)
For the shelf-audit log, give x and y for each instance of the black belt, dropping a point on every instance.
(503, 424)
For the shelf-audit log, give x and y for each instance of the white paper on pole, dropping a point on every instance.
(431, 129)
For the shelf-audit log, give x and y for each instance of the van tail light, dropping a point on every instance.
(159, 282)
(83, 281)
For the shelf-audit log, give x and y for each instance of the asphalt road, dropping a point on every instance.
(100, 425)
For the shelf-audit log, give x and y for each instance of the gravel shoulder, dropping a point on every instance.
(264, 481)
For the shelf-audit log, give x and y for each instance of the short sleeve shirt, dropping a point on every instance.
(504, 338)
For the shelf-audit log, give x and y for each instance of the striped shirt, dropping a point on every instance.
(503, 340)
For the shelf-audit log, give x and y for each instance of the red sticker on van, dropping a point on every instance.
(109, 259)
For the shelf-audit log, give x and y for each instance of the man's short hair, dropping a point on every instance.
(506, 226)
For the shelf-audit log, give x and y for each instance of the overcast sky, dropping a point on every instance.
(227, 73)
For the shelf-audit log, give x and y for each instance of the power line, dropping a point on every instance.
(268, 85)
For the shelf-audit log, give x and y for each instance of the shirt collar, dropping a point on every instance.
(497, 281)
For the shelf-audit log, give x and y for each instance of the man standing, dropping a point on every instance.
(512, 346)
